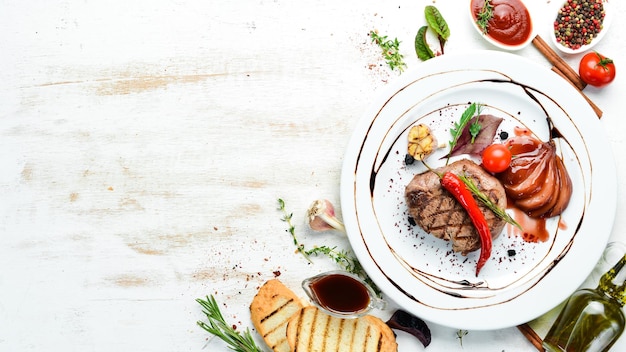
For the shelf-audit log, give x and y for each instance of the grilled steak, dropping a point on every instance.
(436, 211)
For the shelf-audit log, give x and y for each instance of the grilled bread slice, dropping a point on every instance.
(389, 337)
(270, 311)
(315, 331)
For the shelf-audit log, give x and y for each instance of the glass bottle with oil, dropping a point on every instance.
(591, 319)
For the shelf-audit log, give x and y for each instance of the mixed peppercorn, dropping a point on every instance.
(578, 22)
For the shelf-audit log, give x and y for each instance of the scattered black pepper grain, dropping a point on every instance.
(504, 135)
(409, 159)
(412, 221)
(511, 252)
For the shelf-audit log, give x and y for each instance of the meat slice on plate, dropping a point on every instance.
(436, 211)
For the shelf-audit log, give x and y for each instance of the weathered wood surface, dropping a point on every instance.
(144, 145)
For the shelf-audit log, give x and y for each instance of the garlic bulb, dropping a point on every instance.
(321, 216)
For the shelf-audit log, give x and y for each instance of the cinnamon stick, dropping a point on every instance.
(558, 62)
(593, 105)
(531, 336)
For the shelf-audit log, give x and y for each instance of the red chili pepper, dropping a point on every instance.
(457, 188)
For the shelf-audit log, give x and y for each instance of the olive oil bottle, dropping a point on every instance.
(591, 319)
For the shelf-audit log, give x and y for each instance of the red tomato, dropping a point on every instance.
(596, 69)
(496, 158)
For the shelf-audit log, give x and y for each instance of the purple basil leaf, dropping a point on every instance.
(409, 323)
(489, 126)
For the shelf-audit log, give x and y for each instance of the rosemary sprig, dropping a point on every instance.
(217, 326)
(291, 228)
(484, 16)
(486, 201)
(390, 50)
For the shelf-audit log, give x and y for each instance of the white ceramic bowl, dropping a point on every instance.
(608, 9)
(498, 43)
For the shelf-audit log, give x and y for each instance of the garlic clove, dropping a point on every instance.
(321, 216)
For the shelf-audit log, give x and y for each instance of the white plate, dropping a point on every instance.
(420, 272)
(608, 18)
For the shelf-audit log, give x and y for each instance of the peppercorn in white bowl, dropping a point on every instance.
(580, 24)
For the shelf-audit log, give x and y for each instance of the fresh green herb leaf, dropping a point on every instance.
(438, 24)
(460, 334)
(390, 51)
(217, 326)
(291, 228)
(422, 49)
(468, 144)
(484, 16)
(501, 213)
(436, 21)
(475, 127)
(457, 130)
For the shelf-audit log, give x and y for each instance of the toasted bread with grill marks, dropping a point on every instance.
(312, 330)
(389, 337)
(271, 309)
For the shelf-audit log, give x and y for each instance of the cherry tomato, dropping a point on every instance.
(496, 158)
(596, 69)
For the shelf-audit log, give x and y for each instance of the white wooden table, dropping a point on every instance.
(144, 145)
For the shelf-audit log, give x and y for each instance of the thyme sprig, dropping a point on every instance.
(287, 216)
(390, 50)
(484, 16)
(217, 326)
(501, 213)
(460, 334)
(347, 262)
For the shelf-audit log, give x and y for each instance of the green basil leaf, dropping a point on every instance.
(437, 23)
(458, 128)
(474, 129)
(421, 46)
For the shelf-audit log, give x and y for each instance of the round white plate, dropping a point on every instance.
(420, 272)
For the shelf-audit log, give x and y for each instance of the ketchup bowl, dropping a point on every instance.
(504, 23)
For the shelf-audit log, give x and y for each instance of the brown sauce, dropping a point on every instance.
(533, 230)
(511, 23)
(341, 293)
